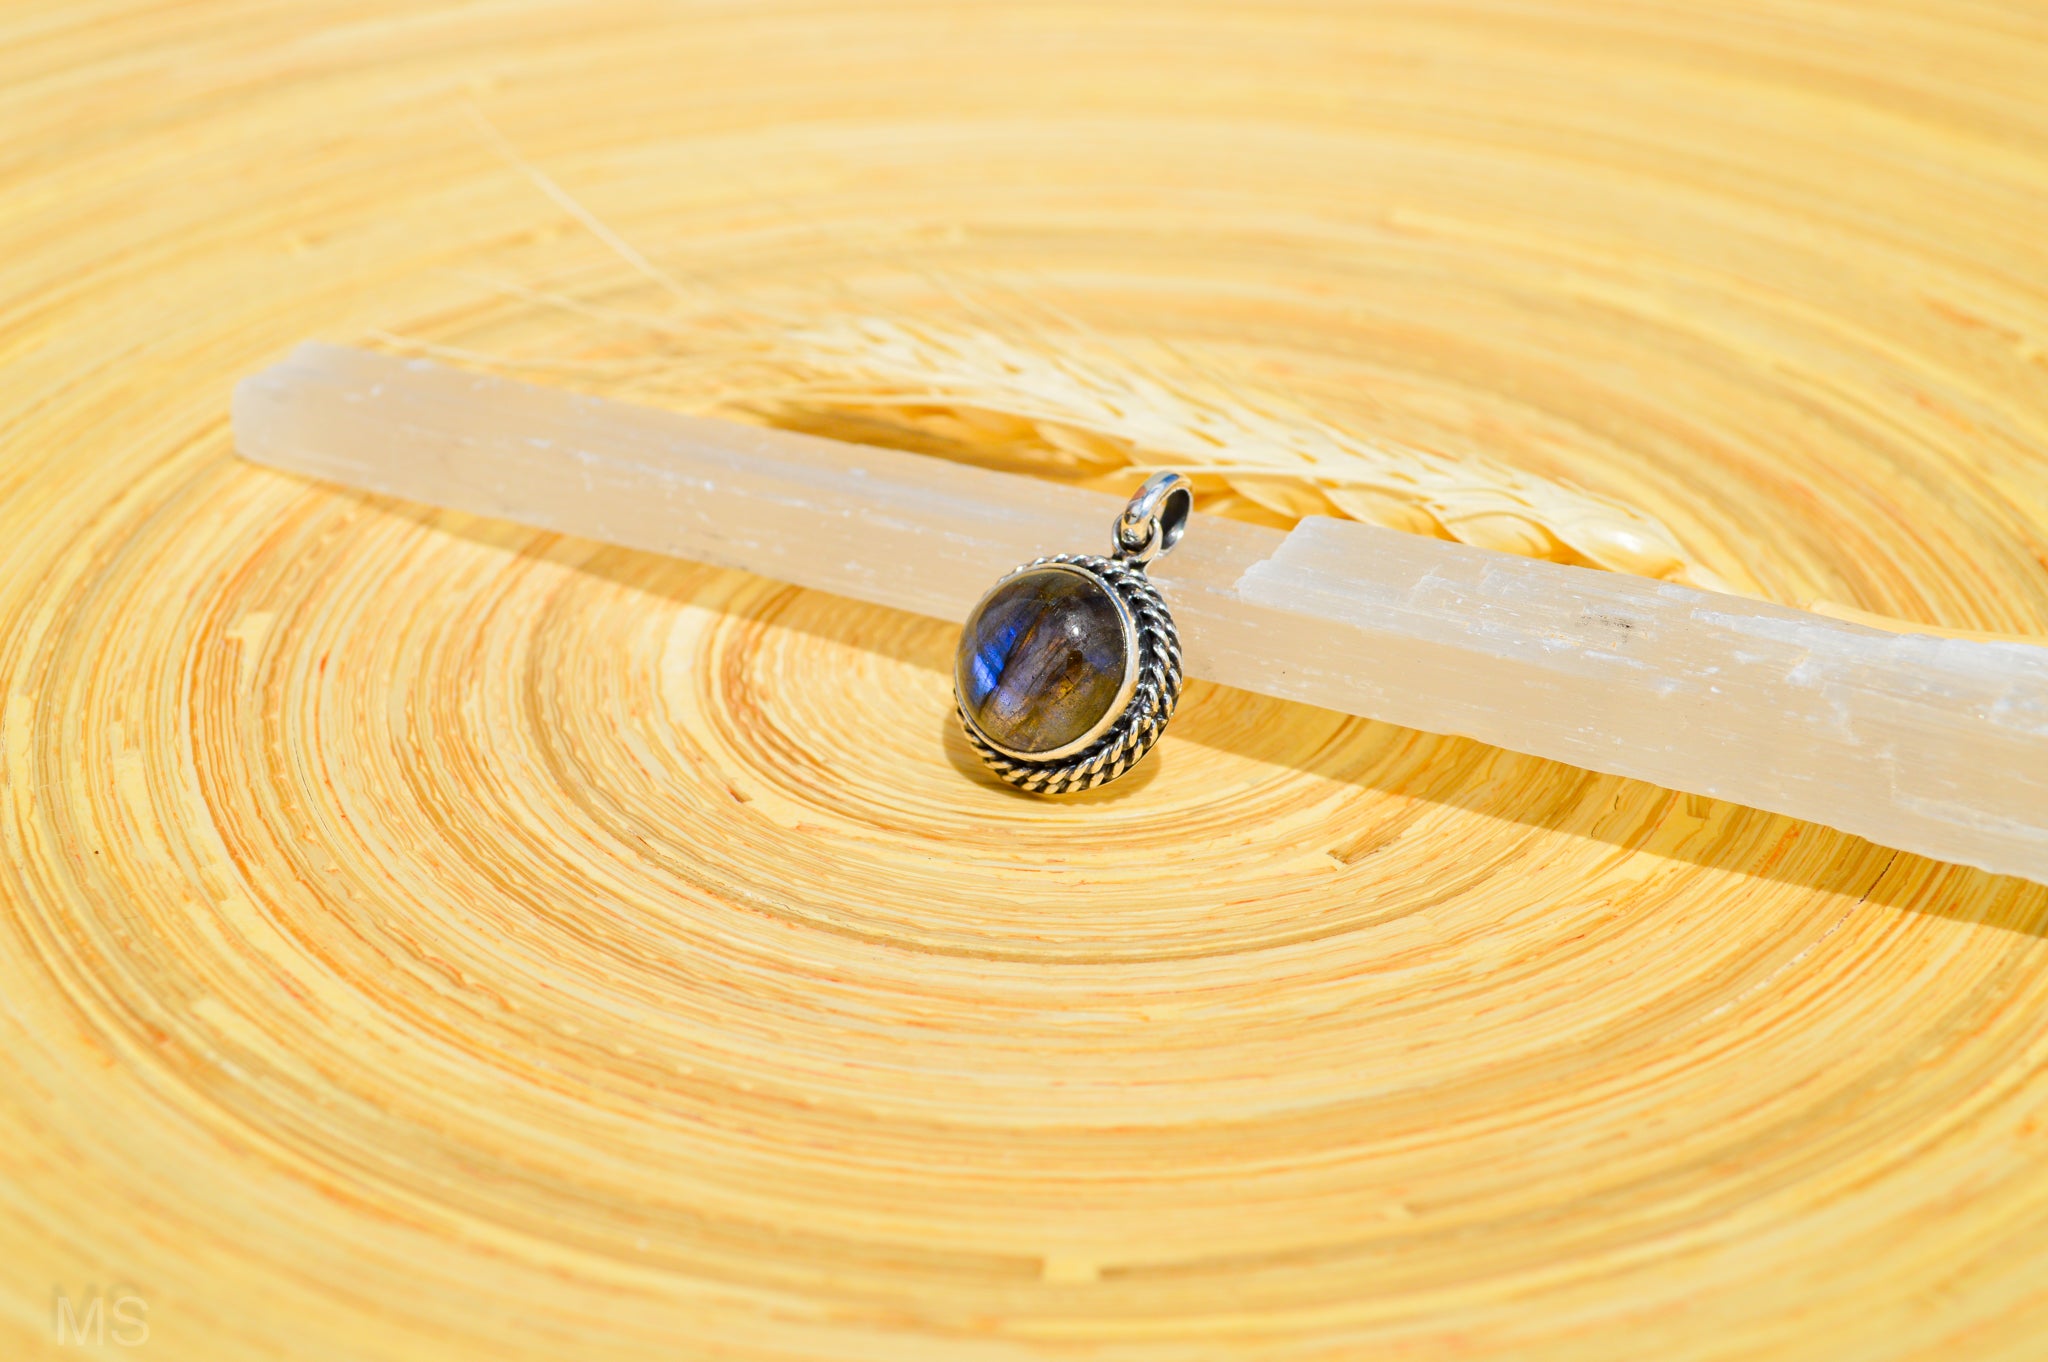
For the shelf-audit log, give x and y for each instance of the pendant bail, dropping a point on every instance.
(1155, 518)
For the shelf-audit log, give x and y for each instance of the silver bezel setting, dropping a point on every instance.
(1145, 701)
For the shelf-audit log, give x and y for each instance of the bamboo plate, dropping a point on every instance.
(421, 938)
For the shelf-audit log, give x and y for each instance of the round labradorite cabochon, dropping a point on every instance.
(1043, 660)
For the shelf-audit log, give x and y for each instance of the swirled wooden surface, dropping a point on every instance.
(420, 938)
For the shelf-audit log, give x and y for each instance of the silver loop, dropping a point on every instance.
(1155, 518)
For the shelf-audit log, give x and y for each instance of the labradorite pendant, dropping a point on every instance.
(1069, 667)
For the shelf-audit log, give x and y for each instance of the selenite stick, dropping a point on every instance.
(1933, 745)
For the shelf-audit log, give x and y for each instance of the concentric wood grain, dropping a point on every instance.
(420, 938)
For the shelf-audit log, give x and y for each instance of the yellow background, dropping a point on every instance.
(423, 938)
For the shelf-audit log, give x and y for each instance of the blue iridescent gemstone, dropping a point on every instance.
(1043, 661)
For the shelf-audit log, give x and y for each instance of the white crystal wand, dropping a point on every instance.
(1933, 745)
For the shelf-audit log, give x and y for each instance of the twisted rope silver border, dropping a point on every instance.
(1144, 717)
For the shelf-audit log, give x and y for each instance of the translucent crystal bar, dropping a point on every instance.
(1933, 745)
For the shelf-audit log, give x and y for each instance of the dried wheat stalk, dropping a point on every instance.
(1095, 406)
